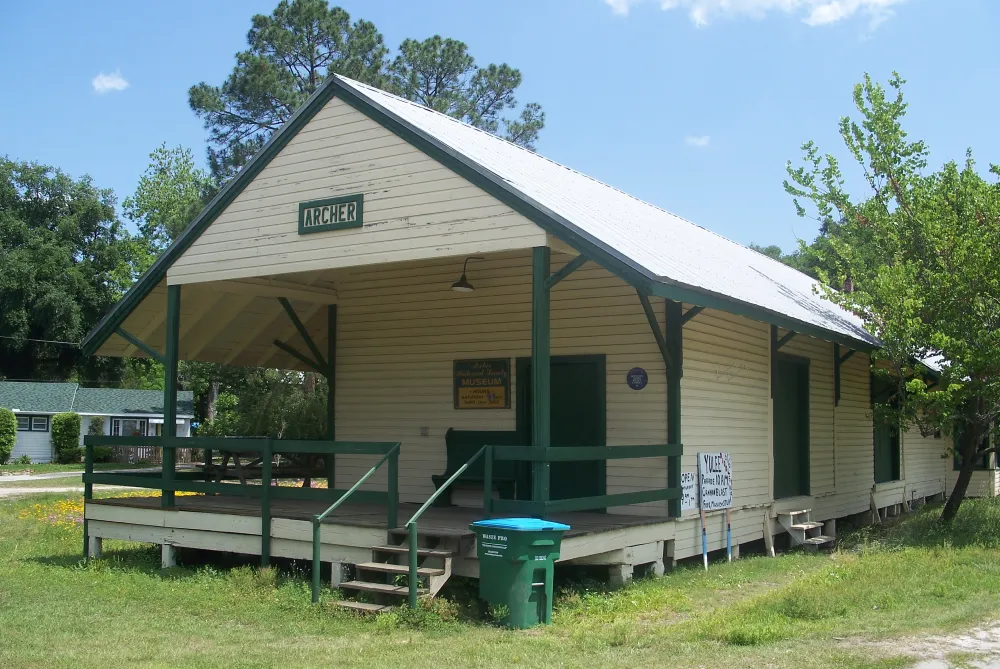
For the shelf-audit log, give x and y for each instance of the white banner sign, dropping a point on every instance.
(689, 491)
(715, 481)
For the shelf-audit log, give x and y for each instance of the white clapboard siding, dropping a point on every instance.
(925, 469)
(414, 208)
(725, 393)
(36, 445)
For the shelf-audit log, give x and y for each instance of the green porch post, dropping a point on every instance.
(675, 346)
(331, 385)
(540, 369)
(173, 323)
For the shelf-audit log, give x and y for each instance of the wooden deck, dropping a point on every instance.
(449, 519)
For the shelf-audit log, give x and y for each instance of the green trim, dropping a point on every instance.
(847, 356)
(654, 325)
(784, 340)
(675, 345)
(541, 371)
(836, 374)
(171, 336)
(316, 209)
(331, 393)
(301, 357)
(805, 426)
(691, 313)
(158, 271)
(566, 270)
(301, 329)
(576, 453)
(266, 461)
(141, 345)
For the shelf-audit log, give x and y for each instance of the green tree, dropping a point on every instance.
(66, 259)
(922, 249)
(8, 434)
(441, 74)
(293, 50)
(170, 194)
(66, 437)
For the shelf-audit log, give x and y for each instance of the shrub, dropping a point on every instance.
(23, 460)
(66, 437)
(103, 453)
(8, 434)
(96, 426)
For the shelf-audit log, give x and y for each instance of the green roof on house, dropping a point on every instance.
(38, 397)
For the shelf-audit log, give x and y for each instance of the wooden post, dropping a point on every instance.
(88, 494)
(267, 457)
(675, 347)
(540, 370)
(172, 335)
(329, 460)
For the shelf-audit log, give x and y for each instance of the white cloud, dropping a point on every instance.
(700, 141)
(812, 12)
(107, 82)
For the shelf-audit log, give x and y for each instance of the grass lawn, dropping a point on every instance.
(49, 468)
(62, 481)
(798, 610)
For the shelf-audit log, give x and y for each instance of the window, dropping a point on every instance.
(33, 423)
(128, 427)
(983, 462)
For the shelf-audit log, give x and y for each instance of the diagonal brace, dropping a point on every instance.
(784, 340)
(661, 342)
(691, 313)
(141, 345)
(303, 332)
(565, 271)
(302, 357)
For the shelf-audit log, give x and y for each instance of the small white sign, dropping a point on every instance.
(689, 491)
(715, 481)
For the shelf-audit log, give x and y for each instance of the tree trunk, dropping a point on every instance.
(210, 398)
(968, 452)
(309, 383)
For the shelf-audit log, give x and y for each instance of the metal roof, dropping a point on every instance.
(662, 246)
(42, 397)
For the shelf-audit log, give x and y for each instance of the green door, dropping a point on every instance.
(577, 417)
(791, 428)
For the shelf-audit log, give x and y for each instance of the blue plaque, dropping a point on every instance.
(637, 378)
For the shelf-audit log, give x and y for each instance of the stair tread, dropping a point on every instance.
(812, 524)
(398, 568)
(795, 513)
(435, 532)
(384, 588)
(363, 607)
(822, 539)
(422, 552)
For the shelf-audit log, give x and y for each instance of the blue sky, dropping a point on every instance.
(693, 105)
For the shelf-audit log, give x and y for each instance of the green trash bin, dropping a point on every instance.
(516, 560)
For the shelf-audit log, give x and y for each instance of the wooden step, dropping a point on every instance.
(398, 569)
(433, 533)
(811, 525)
(383, 588)
(819, 541)
(795, 513)
(422, 552)
(363, 607)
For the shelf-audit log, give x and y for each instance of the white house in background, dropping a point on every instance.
(125, 412)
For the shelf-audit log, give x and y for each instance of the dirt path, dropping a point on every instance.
(932, 652)
(17, 492)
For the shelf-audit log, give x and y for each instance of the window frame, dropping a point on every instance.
(30, 422)
(116, 421)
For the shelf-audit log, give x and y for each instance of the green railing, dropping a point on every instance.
(391, 509)
(169, 481)
(539, 508)
(411, 525)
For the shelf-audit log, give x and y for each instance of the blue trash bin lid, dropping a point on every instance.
(523, 524)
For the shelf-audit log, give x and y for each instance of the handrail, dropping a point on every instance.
(393, 503)
(411, 525)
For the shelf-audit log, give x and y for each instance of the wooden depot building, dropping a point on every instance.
(552, 345)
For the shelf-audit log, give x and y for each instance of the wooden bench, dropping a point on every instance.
(460, 445)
